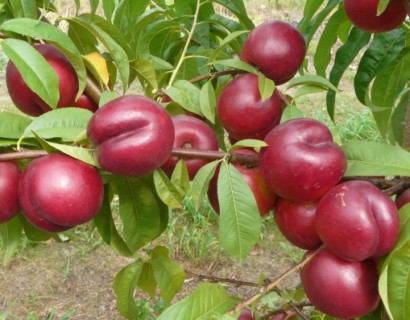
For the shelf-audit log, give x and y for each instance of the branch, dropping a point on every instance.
(213, 75)
(93, 90)
(273, 284)
(23, 154)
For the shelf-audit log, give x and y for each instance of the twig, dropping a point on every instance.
(273, 284)
(282, 310)
(24, 154)
(93, 90)
(217, 74)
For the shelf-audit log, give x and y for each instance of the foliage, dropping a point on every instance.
(174, 48)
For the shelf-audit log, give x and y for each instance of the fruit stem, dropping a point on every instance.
(271, 286)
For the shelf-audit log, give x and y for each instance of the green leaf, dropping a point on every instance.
(32, 232)
(207, 300)
(311, 7)
(85, 155)
(146, 70)
(291, 112)
(312, 80)
(64, 123)
(227, 40)
(382, 6)
(13, 125)
(108, 96)
(207, 101)
(386, 88)
(201, 182)
(367, 158)
(23, 8)
(240, 223)
(235, 64)
(143, 214)
(308, 89)
(166, 190)
(118, 53)
(48, 32)
(186, 95)
(147, 280)
(344, 57)
(266, 86)
(237, 7)
(248, 143)
(328, 38)
(180, 177)
(10, 234)
(84, 40)
(167, 273)
(383, 50)
(35, 70)
(109, 8)
(107, 229)
(125, 283)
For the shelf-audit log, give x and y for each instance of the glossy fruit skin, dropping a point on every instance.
(363, 14)
(63, 190)
(341, 288)
(296, 221)
(246, 314)
(9, 181)
(30, 103)
(264, 197)
(277, 48)
(31, 213)
(85, 102)
(301, 162)
(191, 133)
(357, 221)
(403, 199)
(242, 112)
(133, 135)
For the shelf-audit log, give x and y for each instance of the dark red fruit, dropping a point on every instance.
(277, 48)
(29, 102)
(296, 221)
(28, 209)
(363, 14)
(246, 314)
(264, 197)
(341, 288)
(403, 199)
(9, 181)
(288, 315)
(133, 135)
(301, 162)
(61, 190)
(191, 133)
(85, 102)
(242, 112)
(357, 221)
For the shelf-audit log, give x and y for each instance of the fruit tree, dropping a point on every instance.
(215, 121)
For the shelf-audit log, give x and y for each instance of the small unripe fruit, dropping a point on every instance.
(277, 48)
(133, 135)
(85, 102)
(9, 181)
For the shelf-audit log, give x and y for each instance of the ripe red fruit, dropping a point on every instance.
(363, 14)
(133, 135)
(61, 190)
(301, 162)
(296, 221)
(341, 288)
(242, 112)
(264, 197)
(357, 221)
(246, 314)
(277, 48)
(85, 102)
(28, 209)
(403, 199)
(28, 101)
(191, 133)
(288, 315)
(9, 180)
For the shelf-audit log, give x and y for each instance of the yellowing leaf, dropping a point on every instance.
(99, 65)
